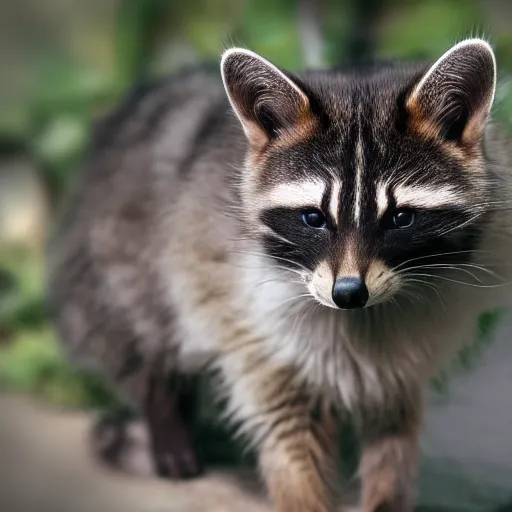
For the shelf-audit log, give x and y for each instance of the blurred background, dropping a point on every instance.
(64, 62)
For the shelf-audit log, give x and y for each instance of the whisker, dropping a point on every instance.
(296, 297)
(464, 283)
(436, 255)
(283, 239)
(271, 256)
(460, 226)
(454, 267)
(441, 266)
(273, 268)
(276, 280)
(430, 286)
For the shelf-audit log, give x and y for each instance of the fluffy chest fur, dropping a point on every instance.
(349, 358)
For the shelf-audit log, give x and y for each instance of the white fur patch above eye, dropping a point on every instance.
(382, 199)
(296, 194)
(427, 196)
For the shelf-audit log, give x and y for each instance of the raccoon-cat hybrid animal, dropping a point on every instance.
(324, 240)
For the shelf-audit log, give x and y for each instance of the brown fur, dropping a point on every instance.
(297, 457)
(388, 469)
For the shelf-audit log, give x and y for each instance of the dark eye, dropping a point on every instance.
(314, 219)
(403, 218)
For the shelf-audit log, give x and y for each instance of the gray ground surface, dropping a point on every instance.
(467, 444)
(45, 464)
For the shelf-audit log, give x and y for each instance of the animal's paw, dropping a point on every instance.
(123, 445)
(176, 459)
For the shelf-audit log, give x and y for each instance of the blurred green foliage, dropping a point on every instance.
(31, 360)
(153, 37)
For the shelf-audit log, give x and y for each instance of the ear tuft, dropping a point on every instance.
(265, 100)
(453, 98)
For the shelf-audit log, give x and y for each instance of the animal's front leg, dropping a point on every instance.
(297, 462)
(390, 458)
(174, 455)
(296, 453)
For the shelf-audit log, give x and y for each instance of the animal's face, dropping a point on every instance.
(366, 184)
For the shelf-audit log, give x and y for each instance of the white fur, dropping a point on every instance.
(382, 199)
(321, 283)
(334, 206)
(307, 193)
(425, 196)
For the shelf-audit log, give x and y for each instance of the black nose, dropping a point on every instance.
(350, 293)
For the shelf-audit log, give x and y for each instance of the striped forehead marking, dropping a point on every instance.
(359, 167)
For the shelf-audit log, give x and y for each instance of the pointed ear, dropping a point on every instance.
(268, 104)
(453, 99)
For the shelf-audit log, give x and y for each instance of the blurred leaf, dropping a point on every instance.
(25, 358)
(503, 49)
(469, 355)
(337, 19)
(271, 29)
(63, 137)
(138, 23)
(15, 121)
(33, 363)
(503, 102)
(426, 29)
(65, 86)
(208, 26)
(21, 303)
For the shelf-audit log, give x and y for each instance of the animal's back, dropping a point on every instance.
(106, 288)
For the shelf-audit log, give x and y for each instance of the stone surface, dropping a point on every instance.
(467, 443)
